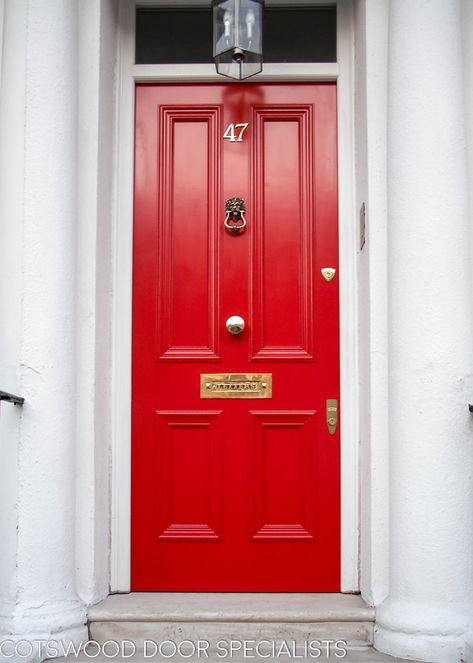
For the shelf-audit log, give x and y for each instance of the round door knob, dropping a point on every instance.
(235, 324)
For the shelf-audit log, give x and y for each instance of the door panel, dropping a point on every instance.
(284, 476)
(188, 323)
(188, 461)
(235, 494)
(283, 168)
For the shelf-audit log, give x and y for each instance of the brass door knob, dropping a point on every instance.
(235, 324)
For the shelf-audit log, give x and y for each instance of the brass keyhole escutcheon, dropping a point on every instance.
(328, 273)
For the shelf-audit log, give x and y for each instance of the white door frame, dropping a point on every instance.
(127, 76)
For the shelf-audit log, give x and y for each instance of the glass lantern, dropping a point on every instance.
(238, 38)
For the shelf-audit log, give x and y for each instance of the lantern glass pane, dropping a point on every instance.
(224, 26)
(249, 67)
(249, 26)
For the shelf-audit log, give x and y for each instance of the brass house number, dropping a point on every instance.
(231, 134)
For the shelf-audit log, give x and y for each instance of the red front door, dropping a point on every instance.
(235, 494)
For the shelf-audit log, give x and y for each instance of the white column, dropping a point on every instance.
(41, 600)
(12, 89)
(429, 611)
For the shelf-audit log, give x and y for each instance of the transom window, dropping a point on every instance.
(184, 35)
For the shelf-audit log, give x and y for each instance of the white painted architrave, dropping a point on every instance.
(128, 75)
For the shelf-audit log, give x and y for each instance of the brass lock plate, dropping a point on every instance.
(331, 415)
(236, 385)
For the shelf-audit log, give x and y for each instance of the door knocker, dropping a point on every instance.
(235, 221)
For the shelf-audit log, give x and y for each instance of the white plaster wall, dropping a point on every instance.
(2, 15)
(349, 395)
(97, 58)
(371, 47)
(467, 45)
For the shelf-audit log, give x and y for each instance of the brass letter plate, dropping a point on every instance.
(236, 385)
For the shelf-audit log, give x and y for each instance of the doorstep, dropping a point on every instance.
(176, 617)
(213, 617)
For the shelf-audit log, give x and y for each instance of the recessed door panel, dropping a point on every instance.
(188, 316)
(188, 466)
(283, 235)
(235, 473)
(285, 476)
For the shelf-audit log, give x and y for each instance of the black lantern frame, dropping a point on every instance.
(238, 37)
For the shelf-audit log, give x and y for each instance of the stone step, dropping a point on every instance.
(211, 618)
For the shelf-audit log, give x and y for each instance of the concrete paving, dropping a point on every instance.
(365, 655)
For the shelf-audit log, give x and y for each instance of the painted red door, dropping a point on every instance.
(235, 494)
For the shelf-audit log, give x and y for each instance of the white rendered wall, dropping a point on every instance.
(371, 49)
(97, 58)
(429, 610)
(467, 23)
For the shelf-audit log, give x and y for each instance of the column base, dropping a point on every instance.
(418, 631)
(32, 634)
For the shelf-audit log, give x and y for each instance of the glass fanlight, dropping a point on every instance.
(238, 38)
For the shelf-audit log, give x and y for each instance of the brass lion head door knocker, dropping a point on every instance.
(235, 221)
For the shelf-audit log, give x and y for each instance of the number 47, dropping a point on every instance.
(230, 132)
